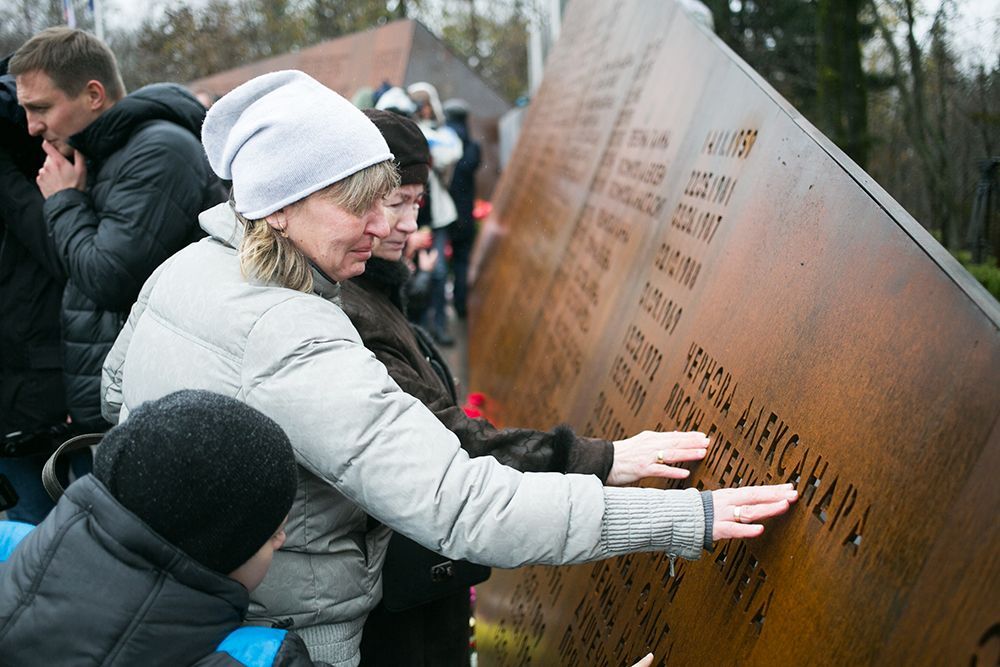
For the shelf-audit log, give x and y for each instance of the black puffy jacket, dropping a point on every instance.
(147, 180)
(31, 282)
(94, 585)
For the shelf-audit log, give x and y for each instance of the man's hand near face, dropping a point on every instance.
(58, 173)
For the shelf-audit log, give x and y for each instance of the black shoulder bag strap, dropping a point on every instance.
(49, 479)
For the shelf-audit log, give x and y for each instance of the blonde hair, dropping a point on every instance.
(268, 256)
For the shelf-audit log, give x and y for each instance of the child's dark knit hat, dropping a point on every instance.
(210, 474)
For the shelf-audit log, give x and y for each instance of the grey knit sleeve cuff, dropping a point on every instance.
(706, 499)
(653, 520)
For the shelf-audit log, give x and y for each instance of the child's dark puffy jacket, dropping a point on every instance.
(93, 585)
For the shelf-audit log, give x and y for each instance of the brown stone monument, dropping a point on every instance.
(678, 249)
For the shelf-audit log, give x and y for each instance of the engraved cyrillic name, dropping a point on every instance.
(633, 182)
(579, 291)
(754, 445)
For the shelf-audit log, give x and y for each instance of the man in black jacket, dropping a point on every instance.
(124, 180)
(32, 403)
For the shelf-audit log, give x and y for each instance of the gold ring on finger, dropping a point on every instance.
(659, 457)
(738, 513)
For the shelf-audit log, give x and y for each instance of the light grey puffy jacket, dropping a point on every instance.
(364, 446)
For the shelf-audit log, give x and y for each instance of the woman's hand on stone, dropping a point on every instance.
(650, 453)
(738, 511)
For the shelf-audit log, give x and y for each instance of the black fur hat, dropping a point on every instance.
(407, 143)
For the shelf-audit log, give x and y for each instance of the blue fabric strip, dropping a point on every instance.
(253, 646)
(11, 534)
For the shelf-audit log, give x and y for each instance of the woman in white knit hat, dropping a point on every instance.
(252, 312)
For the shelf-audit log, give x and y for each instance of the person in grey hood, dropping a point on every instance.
(124, 180)
(252, 312)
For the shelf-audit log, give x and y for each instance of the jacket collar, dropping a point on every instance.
(220, 222)
(324, 285)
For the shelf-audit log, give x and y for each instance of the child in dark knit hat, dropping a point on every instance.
(150, 560)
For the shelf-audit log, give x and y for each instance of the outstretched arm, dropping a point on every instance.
(527, 450)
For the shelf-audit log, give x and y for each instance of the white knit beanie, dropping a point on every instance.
(284, 135)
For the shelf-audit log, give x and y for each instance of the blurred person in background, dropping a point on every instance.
(440, 212)
(462, 188)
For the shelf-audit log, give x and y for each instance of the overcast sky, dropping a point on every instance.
(975, 32)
